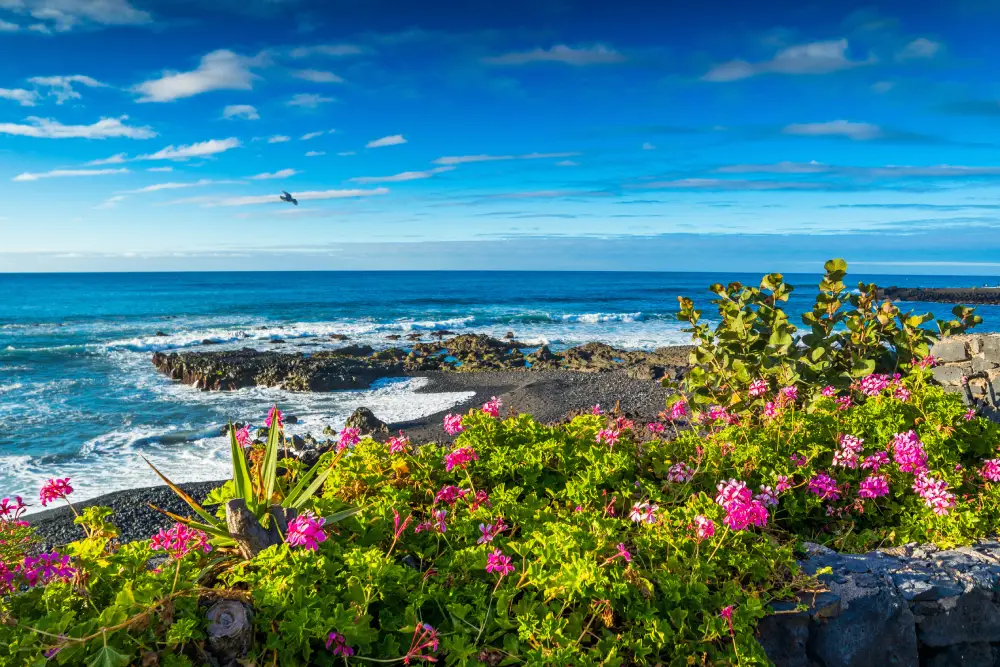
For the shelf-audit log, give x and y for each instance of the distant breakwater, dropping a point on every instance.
(970, 296)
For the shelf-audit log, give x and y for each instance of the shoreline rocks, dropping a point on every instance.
(970, 296)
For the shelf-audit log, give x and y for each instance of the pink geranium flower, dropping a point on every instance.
(54, 489)
(348, 438)
(274, 414)
(460, 458)
(492, 407)
(243, 436)
(399, 444)
(758, 387)
(704, 527)
(179, 541)
(338, 645)
(498, 563)
(306, 530)
(453, 424)
(991, 470)
(873, 486)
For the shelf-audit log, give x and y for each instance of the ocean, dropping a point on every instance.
(80, 398)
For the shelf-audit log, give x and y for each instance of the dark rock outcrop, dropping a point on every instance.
(964, 295)
(367, 423)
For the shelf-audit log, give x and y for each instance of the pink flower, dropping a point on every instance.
(492, 407)
(678, 410)
(480, 498)
(844, 403)
(908, 452)
(437, 523)
(608, 436)
(450, 494)
(643, 513)
(680, 473)
(179, 541)
(488, 532)
(718, 413)
(704, 527)
(727, 613)
(852, 443)
(453, 424)
(902, 393)
(11, 511)
(397, 526)
(740, 516)
(873, 486)
(767, 496)
(596, 410)
(789, 393)
(348, 438)
(339, 644)
(306, 530)
(623, 553)
(243, 437)
(829, 391)
(875, 461)
(758, 387)
(847, 455)
(54, 489)
(927, 362)
(399, 444)
(782, 484)
(41, 569)
(991, 470)
(274, 413)
(655, 427)
(460, 458)
(798, 460)
(934, 492)
(424, 638)
(874, 384)
(824, 486)
(498, 563)
(732, 492)
(770, 410)
(970, 414)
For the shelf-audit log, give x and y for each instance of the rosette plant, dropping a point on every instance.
(260, 500)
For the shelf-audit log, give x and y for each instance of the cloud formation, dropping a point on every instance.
(399, 178)
(243, 111)
(66, 15)
(836, 128)
(466, 159)
(326, 50)
(26, 98)
(312, 195)
(278, 139)
(218, 70)
(317, 76)
(64, 173)
(283, 173)
(812, 58)
(919, 49)
(200, 149)
(391, 140)
(61, 87)
(106, 128)
(560, 53)
(157, 187)
(309, 100)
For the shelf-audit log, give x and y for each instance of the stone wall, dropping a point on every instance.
(970, 365)
(912, 606)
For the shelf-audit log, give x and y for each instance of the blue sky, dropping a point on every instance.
(157, 135)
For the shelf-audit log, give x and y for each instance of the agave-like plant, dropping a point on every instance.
(264, 504)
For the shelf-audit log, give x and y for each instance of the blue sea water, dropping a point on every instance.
(80, 398)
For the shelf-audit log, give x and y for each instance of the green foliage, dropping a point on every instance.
(849, 335)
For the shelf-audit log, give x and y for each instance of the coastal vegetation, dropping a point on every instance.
(597, 541)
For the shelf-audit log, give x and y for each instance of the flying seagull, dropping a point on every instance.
(289, 198)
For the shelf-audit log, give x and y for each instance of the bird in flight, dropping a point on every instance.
(289, 198)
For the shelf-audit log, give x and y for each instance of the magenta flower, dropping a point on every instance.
(789, 393)
(718, 413)
(740, 515)
(453, 424)
(623, 553)
(847, 455)
(829, 391)
(274, 414)
(770, 410)
(844, 403)
(767, 496)
(704, 527)
(875, 461)
(492, 407)
(727, 613)
(41, 569)
(934, 492)
(824, 486)
(450, 494)
(54, 489)
(782, 484)
(439, 524)
(608, 436)
(243, 437)
(339, 644)
(425, 638)
(873, 486)
(498, 563)
(758, 387)
(908, 452)
(927, 361)
(480, 498)
(732, 492)
(306, 530)
(901, 393)
(643, 513)
(679, 473)
(596, 410)
(12, 511)
(798, 460)
(179, 541)
(399, 526)
(991, 470)
(874, 384)
(970, 414)
(460, 458)
(399, 444)
(655, 427)
(678, 410)
(348, 438)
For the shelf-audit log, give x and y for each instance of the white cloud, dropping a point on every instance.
(646, 146)
(61, 87)
(284, 173)
(9, 27)
(118, 158)
(567, 163)
(105, 128)
(312, 135)
(726, 184)
(219, 70)
(301, 196)
(160, 169)
(326, 50)
(836, 128)
(111, 202)
(465, 159)
(65, 15)
(278, 139)
(346, 153)
(399, 178)
(919, 49)
(26, 98)
(201, 149)
(315, 153)
(64, 173)
(560, 53)
(308, 100)
(317, 76)
(812, 167)
(812, 58)
(244, 111)
(392, 140)
(156, 187)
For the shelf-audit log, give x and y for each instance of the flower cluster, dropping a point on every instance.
(608, 436)
(908, 452)
(425, 638)
(12, 511)
(874, 384)
(490, 531)
(824, 486)
(873, 486)
(399, 444)
(348, 438)
(875, 462)
(492, 407)
(306, 530)
(43, 568)
(742, 509)
(243, 436)
(437, 523)
(680, 473)
(990, 470)
(460, 458)
(336, 643)
(678, 410)
(934, 492)
(179, 541)
(704, 527)
(644, 513)
(655, 427)
(498, 563)
(829, 391)
(54, 489)
(788, 394)
(450, 494)
(274, 414)
(847, 455)
(758, 387)
(453, 424)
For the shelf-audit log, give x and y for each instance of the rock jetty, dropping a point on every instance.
(965, 295)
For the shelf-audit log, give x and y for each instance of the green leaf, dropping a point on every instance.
(345, 514)
(108, 657)
(192, 503)
(241, 473)
(297, 497)
(269, 469)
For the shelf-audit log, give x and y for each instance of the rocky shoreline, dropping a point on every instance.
(970, 296)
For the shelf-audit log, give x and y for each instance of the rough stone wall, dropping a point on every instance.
(970, 365)
(906, 606)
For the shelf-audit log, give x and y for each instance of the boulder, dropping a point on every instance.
(367, 423)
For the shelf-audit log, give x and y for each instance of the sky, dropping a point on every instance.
(141, 135)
